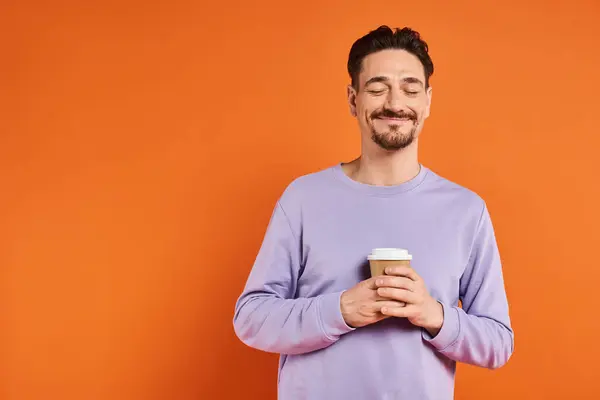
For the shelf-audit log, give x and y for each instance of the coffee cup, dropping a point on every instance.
(381, 258)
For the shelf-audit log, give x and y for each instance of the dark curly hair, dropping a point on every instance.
(384, 38)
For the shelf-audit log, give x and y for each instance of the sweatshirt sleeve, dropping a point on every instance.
(268, 316)
(479, 333)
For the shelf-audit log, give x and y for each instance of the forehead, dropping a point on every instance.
(393, 64)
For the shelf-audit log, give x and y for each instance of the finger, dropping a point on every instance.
(400, 282)
(400, 312)
(388, 304)
(403, 295)
(379, 317)
(374, 296)
(402, 270)
(372, 286)
(371, 283)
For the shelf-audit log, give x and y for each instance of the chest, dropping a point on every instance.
(335, 247)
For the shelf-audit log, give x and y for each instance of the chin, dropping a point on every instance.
(393, 146)
(394, 142)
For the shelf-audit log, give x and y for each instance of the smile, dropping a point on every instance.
(395, 119)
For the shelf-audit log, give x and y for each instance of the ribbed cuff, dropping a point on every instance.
(449, 332)
(332, 322)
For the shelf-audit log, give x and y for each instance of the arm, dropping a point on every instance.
(268, 317)
(479, 333)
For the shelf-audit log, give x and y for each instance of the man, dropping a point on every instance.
(342, 334)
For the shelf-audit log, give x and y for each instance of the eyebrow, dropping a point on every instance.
(384, 79)
(411, 79)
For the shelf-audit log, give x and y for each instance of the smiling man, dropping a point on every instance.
(340, 333)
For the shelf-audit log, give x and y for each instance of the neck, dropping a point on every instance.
(385, 168)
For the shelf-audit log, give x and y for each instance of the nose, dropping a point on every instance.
(395, 101)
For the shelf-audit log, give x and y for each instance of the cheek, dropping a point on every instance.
(369, 104)
(363, 112)
(363, 117)
(419, 106)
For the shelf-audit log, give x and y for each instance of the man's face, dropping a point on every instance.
(391, 102)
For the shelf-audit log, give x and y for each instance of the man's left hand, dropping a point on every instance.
(403, 284)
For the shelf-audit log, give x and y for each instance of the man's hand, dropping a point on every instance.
(361, 305)
(402, 284)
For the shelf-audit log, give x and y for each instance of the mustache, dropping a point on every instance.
(391, 114)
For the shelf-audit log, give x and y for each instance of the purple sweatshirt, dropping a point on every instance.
(315, 247)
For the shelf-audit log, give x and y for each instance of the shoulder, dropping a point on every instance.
(306, 187)
(454, 194)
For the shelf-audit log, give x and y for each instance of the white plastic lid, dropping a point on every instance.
(389, 254)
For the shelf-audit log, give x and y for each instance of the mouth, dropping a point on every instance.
(395, 120)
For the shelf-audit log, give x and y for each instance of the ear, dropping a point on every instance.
(351, 93)
(428, 108)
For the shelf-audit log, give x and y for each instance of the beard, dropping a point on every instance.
(393, 138)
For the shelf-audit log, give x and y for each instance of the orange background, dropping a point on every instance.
(143, 146)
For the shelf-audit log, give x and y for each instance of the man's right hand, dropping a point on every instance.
(361, 305)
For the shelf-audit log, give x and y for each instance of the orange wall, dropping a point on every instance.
(138, 154)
